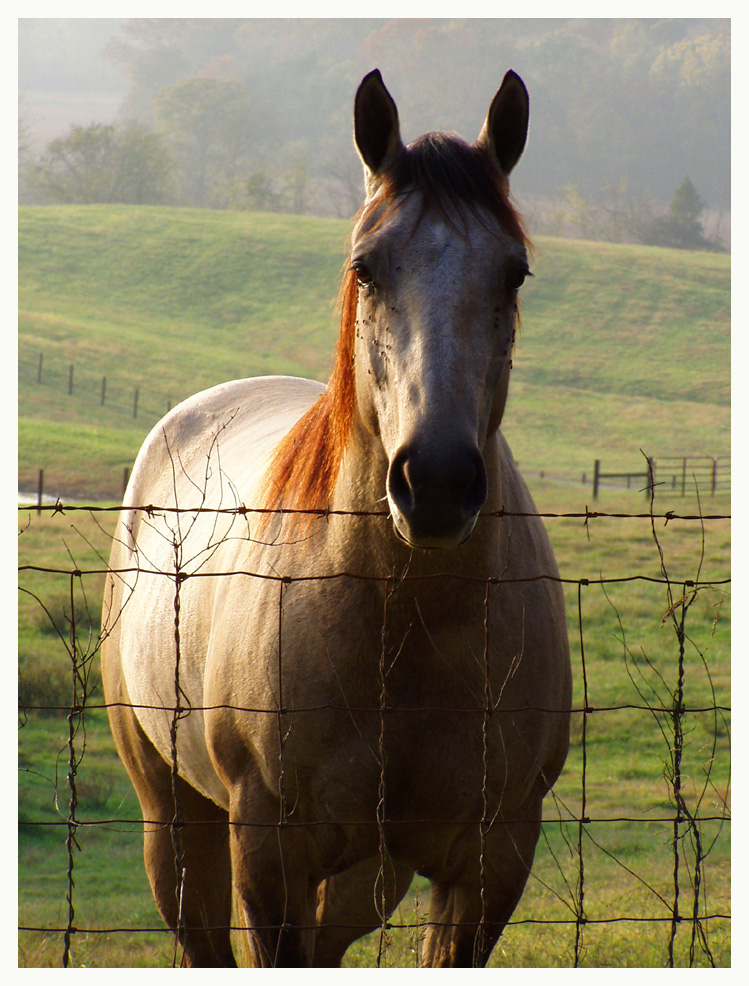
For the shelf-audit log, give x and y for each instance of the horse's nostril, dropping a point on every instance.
(477, 488)
(437, 492)
(399, 484)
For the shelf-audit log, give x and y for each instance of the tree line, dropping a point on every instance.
(627, 116)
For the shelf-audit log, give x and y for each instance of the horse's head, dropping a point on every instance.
(439, 255)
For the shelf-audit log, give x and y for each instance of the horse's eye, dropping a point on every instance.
(516, 277)
(363, 275)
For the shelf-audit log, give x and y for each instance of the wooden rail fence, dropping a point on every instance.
(682, 473)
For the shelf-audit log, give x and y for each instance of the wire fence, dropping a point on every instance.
(633, 863)
(105, 390)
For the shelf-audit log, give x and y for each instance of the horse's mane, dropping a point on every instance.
(303, 470)
(453, 178)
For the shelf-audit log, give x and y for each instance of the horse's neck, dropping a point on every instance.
(362, 478)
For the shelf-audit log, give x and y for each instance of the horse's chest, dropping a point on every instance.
(419, 746)
(399, 695)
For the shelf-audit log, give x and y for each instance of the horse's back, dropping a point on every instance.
(232, 428)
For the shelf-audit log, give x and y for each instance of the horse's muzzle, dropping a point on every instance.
(435, 495)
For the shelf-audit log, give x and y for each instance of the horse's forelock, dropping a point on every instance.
(453, 178)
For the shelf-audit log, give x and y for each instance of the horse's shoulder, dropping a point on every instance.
(515, 493)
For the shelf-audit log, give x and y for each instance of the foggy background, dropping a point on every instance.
(257, 114)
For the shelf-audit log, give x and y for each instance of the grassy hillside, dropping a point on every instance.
(622, 347)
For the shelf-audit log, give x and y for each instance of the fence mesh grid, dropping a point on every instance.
(635, 831)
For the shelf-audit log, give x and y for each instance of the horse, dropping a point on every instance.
(335, 651)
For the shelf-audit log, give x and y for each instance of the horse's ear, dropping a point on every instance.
(376, 127)
(506, 128)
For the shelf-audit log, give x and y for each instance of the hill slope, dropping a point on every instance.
(622, 347)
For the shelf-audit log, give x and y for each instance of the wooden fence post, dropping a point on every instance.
(135, 404)
(103, 390)
(39, 371)
(70, 380)
(39, 492)
(596, 478)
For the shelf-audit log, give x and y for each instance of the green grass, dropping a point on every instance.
(616, 314)
(182, 298)
(622, 349)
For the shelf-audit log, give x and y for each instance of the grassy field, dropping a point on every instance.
(172, 301)
(622, 347)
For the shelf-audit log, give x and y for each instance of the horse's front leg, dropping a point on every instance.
(468, 913)
(275, 894)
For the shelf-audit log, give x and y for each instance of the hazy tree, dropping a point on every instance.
(261, 194)
(209, 129)
(344, 183)
(157, 52)
(612, 99)
(681, 227)
(24, 137)
(104, 163)
(287, 192)
(690, 95)
(24, 155)
(296, 179)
